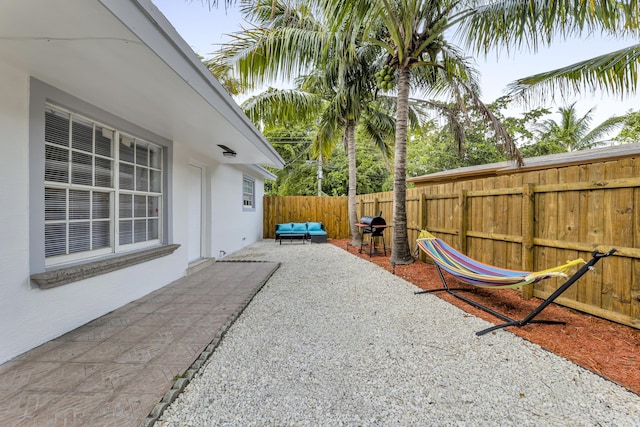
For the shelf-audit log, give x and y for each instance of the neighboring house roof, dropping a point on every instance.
(124, 57)
(532, 163)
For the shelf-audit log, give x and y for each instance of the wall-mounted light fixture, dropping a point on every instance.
(226, 151)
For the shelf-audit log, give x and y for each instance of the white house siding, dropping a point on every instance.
(232, 226)
(14, 213)
(195, 220)
(228, 226)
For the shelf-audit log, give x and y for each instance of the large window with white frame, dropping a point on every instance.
(103, 189)
(248, 193)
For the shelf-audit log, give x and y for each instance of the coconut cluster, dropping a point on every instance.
(386, 78)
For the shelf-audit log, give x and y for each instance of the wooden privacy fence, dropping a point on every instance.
(331, 211)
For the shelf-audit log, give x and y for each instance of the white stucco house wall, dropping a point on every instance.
(112, 179)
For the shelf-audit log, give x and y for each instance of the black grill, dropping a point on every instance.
(371, 223)
(374, 227)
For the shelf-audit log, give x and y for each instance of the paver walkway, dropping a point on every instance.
(122, 369)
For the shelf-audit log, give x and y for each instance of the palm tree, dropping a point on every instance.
(574, 133)
(288, 41)
(412, 35)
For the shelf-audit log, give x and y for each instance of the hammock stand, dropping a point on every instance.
(483, 275)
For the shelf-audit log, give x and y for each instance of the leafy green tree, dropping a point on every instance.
(293, 142)
(431, 153)
(541, 148)
(371, 171)
(433, 148)
(630, 132)
(522, 129)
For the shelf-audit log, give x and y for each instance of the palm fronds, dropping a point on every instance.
(528, 24)
(282, 105)
(615, 73)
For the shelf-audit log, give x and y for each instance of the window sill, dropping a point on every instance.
(65, 275)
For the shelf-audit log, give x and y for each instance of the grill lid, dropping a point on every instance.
(372, 221)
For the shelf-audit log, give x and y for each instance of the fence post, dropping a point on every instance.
(422, 212)
(528, 229)
(463, 219)
(376, 206)
(422, 221)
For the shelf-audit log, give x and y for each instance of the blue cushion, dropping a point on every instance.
(299, 226)
(314, 226)
(317, 233)
(285, 227)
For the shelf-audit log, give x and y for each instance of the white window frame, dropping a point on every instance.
(115, 191)
(248, 195)
(138, 193)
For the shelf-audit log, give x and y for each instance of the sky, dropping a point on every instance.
(204, 28)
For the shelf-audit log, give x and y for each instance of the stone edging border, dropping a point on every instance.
(180, 384)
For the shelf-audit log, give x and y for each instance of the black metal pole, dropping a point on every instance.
(596, 256)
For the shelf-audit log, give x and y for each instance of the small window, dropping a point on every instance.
(248, 193)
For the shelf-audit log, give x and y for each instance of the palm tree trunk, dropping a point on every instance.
(400, 251)
(349, 134)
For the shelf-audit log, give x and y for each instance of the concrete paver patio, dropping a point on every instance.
(123, 368)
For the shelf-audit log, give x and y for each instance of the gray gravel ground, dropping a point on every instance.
(333, 340)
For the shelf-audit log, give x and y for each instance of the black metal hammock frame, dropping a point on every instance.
(483, 275)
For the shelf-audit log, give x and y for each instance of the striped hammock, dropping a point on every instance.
(477, 273)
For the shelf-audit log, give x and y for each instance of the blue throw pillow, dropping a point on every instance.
(297, 226)
(285, 227)
(314, 226)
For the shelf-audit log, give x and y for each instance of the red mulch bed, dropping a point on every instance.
(601, 346)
